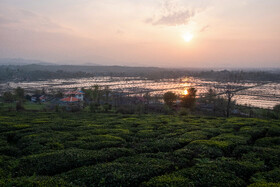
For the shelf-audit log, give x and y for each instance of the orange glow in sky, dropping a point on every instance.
(165, 33)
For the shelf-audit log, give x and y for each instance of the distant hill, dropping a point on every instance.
(88, 69)
(21, 62)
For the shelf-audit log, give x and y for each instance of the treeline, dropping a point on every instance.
(8, 73)
(40, 72)
(43, 72)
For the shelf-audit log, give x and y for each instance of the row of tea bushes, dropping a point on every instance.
(126, 171)
(60, 149)
(60, 161)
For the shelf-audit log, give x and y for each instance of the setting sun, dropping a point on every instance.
(188, 37)
(186, 92)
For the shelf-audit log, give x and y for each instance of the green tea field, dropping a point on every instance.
(84, 149)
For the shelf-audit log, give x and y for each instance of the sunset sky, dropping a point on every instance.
(165, 33)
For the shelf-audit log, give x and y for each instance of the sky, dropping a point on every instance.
(163, 33)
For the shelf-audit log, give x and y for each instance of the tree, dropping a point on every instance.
(19, 93)
(276, 108)
(59, 94)
(8, 97)
(210, 96)
(147, 98)
(43, 92)
(107, 94)
(19, 105)
(189, 100)
(93, 107)
(220, 106)
(96, 94)
(169, 98)
(229, 95)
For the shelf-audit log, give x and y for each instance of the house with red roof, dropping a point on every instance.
(70, 99)
(78, 94)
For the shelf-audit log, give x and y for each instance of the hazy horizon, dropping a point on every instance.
(161, 33)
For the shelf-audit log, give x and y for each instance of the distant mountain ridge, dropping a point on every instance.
(21, 61)
(89, 69)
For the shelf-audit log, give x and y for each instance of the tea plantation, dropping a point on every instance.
(83, 149)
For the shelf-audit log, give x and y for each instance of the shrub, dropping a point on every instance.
(241, 168)
(209, 148)
(268, 176)
(268, 141)
(263, 184)
(34, 181)
(191, 136)
(268, 155)
(160, 145)
(184, 112)
(210, 175)
(146, 134)
(93, 107)
(9, 151)
(92, 145)
(127, 171)
(183, 157)
(125, 110)
(232, 139)
(274, 130)
(60, 161)
(255, 132)
(169, 180)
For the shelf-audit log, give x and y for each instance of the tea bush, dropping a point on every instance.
(60, 161)
(125, 171)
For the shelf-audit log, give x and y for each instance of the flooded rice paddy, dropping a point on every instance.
(264, 95)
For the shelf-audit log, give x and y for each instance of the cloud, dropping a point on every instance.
(6, 21)
(176, 18)
(171, 14)
(13, 18)
(205, 28)
(120, 32)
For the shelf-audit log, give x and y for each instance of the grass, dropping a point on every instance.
(27, 106)
(86, 149)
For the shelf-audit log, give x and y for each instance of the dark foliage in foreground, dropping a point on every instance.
(82, 149)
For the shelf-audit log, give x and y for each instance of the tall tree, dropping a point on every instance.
(107, 94)
(19, 93)
(189, 100)
(96, 94)
(229, 95)
(169, 98)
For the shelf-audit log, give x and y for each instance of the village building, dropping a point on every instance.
(38, 98)
(70, 99)
(73, 96)
(77, 94)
